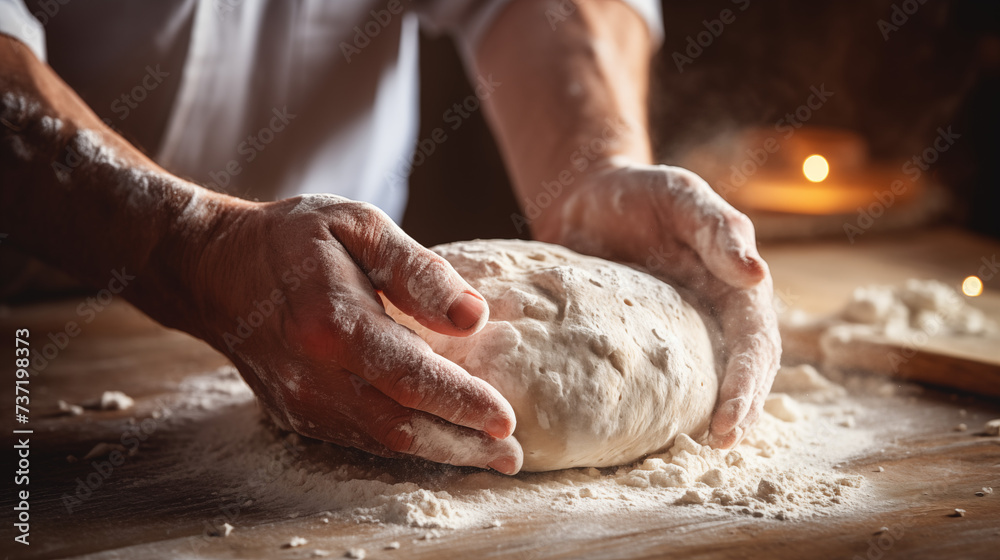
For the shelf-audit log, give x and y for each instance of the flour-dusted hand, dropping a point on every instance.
(289, 291)
(670, 221)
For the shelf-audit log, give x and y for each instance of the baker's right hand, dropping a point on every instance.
(289, 292)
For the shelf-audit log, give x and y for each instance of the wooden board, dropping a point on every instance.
(950, 362)
(820, 278)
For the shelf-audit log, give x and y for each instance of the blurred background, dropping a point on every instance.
(926, 66)
(897, 97)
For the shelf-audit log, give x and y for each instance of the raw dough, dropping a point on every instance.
(602, 364)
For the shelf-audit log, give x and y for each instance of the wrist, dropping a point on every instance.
(178, 290)
(558, 220)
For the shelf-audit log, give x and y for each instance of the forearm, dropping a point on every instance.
(75, 194)
(569, 99)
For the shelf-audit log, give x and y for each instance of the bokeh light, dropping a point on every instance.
(972, 286)
(815, 168)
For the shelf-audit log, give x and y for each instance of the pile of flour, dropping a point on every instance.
(909, 314)
(786, 468)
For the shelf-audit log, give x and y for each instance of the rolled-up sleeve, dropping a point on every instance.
(469, 20)
(17, 22)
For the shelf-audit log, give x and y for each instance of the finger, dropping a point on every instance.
(733, 437)
(726, 243)
(722, 236)
(432, 439)
(763, 390)
(403, 367)
(416, 280)
(750, 327)
(339, 429)
(384, 427)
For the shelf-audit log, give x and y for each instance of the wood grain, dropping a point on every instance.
(929, 468)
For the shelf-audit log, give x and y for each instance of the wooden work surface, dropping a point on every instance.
(930, 468)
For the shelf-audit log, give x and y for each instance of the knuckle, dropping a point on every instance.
(404, 391)
(430, 281)
(396, 435)
(316, 205)
(741, 224)
(359, 216)
(740, 220)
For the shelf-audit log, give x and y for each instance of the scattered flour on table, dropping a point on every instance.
(992, 428)
(907, 314)
(109, 400)
(784, 469)
(71, 409)
(103, 449)
(113, 400)
(925, 305)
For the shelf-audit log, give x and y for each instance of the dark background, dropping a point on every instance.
(941, 68)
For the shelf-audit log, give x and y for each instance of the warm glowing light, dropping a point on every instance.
(815, 168)
(972, 286)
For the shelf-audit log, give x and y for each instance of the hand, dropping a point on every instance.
(669, 221)
(288, 291)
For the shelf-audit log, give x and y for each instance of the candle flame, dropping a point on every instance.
(815, 168)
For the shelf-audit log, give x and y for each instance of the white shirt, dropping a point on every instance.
(275, 97)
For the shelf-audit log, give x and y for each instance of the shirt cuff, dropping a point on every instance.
(469, 21)
(17, 22)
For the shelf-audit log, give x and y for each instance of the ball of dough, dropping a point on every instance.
(602, 364)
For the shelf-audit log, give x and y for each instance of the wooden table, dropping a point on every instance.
(930, 469)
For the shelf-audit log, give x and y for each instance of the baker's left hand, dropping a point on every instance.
(670, 221)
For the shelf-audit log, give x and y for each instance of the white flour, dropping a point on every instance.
(909, 314)
(783, 470)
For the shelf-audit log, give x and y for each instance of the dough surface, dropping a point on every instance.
(602, 364)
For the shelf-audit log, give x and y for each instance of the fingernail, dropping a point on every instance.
(466, 311)
(738, 407)
(506, 465)
(498, 428)
(722, 441)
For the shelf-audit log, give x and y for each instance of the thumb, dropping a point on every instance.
(416, 280)
(721, 235)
